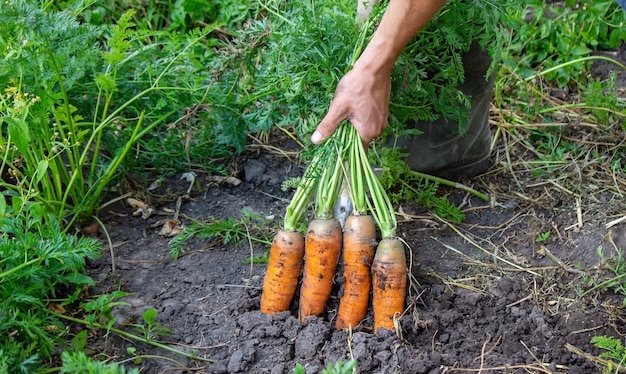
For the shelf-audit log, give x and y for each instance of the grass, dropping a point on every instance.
(91, 91)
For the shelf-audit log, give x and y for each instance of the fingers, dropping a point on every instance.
(328, 125)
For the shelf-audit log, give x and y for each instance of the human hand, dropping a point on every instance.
(362, 98)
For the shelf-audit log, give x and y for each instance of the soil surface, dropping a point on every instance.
(485, 296)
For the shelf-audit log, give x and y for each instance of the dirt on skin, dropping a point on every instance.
(485, 296)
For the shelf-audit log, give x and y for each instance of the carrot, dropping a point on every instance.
(359, 235)
(287, 251)
(283, 271)
(321, 253)
(389, 283)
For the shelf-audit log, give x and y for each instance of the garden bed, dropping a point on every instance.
(494, 294)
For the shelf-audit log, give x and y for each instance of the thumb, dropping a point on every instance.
(327, 125)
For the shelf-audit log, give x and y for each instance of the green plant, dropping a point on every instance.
(617, 282)
(338, 367)
(305, 48)
(65, 132)
(403, 184)
(550, 34)
(151, 328)
(78, 362)
(543, 237)
(262, 259)
(37, 260)
(228, 231)
(99, 310)
(341, 367)
(614, 351)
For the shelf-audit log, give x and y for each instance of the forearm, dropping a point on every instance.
(402, 20)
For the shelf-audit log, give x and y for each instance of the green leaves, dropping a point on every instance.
(614, 350)
(18, 131)
(36, 259)
(551, 34)
(119, 43)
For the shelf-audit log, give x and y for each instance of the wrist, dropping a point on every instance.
(377, 59)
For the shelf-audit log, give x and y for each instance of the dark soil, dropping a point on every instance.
(485, 296)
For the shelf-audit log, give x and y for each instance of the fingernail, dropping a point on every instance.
(317, 137)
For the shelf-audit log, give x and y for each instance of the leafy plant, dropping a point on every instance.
(100, 309)
(258, 259)
(617, 281)
(37, 260)
(67, 132)
(543, 237)
(550, 34)
(305, 49)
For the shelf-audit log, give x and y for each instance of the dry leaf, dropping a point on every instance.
(170, 228)
(57, 308)
(218, 179)
(140, 207)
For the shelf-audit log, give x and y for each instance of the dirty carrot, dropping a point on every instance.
(322, 250)
(359, 235)
(359, 239)
(283, 271)
(323, 242)
(389, 274)
(389, 283)
(287, 251)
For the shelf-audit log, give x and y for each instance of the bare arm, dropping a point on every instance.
(362, 95)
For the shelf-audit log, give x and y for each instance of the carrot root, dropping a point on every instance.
(389, 283)
(283, 272)
(359, 237)
(322, 249)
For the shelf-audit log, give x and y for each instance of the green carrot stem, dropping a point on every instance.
(357, 182)
(302, 196)
(380, 205)
(330, 182)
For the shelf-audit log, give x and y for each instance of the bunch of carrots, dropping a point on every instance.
(368, 266)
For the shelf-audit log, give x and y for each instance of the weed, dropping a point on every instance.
(617, 282)
(341, 367)
(100, 309)
(151, 328)
(262, 259)
(551, 34)
(543, 237)
(227, 231)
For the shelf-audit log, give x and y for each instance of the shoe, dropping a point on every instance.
(442, 150)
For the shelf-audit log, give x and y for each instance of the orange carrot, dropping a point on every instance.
(389, 283)
(322, 250)
(283, 271)
(359, 235)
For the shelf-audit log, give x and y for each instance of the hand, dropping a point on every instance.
(362, 98)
